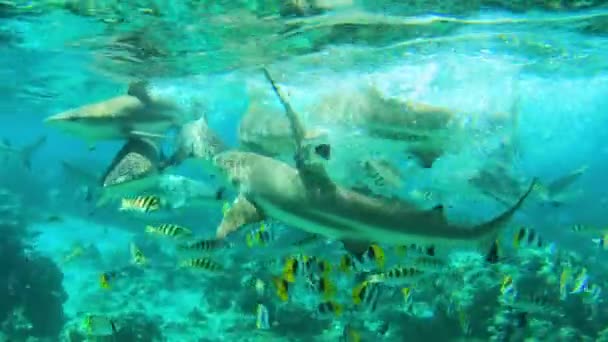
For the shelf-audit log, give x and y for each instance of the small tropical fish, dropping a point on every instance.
(137, 256)
(302, 265)
(98, 325)
(581, 282)
(204, 245)
(347, 263)
(602, 242)
(592, 294)
(589, 229)
(365, 296)
(282, 288)
(257, 284)
(291, 268)
(261, 321)
(565, 280)
(397, 274)
(375, 253)
(527, 237)
(323, 286)
(349, 334)
(169, 229)
(329, 308)
(260, 286)
(76, 252)
(144, 204)
(507, 286)
(407, 298)
(259, 237)
(201, 263)
(429, 264)
(315, 265)
(106, 277)
(414, 249)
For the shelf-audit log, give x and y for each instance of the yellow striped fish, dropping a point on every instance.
(397, 274)
(282, 288)
(137, 256)
(142, 204)
(365, 296)
(329, 308)
(204, 245)
(259, 237)
(169, 229)
(201, 263)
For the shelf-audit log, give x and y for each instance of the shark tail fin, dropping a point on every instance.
(489, 231)
(28, 151)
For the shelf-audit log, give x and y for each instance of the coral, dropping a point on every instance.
(33, 304)
(134, 327)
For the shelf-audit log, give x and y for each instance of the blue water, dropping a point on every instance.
(474, 61)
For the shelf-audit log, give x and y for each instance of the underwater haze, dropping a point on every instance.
(303, 170)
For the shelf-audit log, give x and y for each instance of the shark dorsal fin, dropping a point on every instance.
(309, 159)
(139, 89)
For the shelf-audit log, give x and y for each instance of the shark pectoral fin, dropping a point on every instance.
(140, 134)
(241, 212)
(139, 89)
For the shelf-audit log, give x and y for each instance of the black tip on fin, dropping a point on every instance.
(219, 195)
(492, 256)
(438, 208)
(114, 330)
(139, 89)
(323, 150)
(356, 248)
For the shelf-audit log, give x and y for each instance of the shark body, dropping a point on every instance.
(122, 117)
(25, 152)
(306, 198)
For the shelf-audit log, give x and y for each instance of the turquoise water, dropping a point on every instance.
(527, 78)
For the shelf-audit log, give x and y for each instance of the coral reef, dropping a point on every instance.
(33, 304)
(131, 327)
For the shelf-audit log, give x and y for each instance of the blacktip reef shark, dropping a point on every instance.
(306, 198)
(25, 152)
(425, 132)
(136, 114)
(195, 140)
(496, 181)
